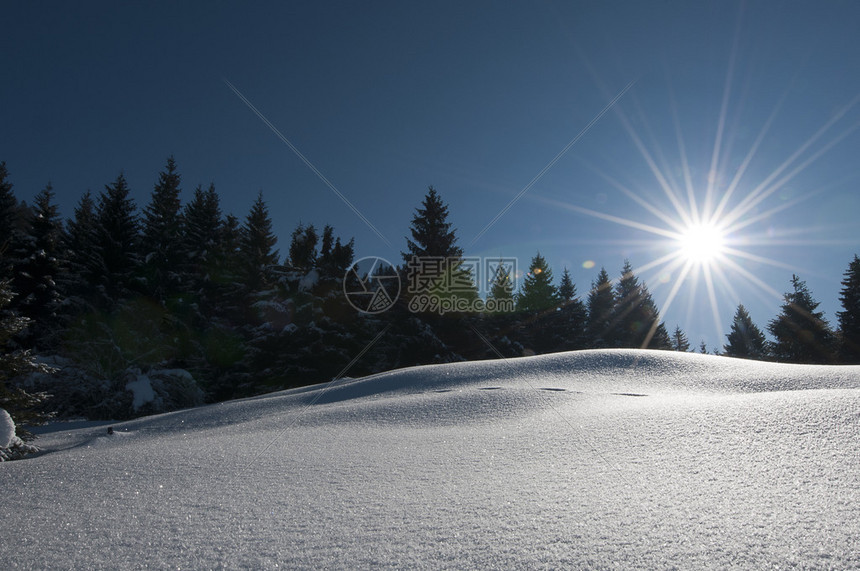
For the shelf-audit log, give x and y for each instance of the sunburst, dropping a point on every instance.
(705, 236)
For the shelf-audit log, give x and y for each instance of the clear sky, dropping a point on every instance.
(752, 106)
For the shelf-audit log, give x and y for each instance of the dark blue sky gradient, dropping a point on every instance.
(475, 98)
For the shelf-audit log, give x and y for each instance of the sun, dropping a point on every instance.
(702, 243)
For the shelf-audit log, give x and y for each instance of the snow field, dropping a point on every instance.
(644, 459)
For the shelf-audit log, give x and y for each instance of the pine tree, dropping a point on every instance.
(502, 287)
(160, 243)
(434, 261)
(540, 328)
(432, 234)
(37, 273)
(80, 264)
(600, 306)
(849, 317)
(636, 318)
(680, 341)
(14, 221)
(200, 251)
(537, 293)
(703, 349)
(570, 320)
(745, 340)
(303, 247)
(8, 217)
(117, 242)
(22, 406)
(334, 258)
(801, 334)
(566, 288)
(257, 243)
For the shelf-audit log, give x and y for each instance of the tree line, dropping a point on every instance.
(200, 306)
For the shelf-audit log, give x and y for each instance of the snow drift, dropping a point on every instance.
(586, 459)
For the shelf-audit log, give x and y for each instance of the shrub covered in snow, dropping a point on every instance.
(135, 392)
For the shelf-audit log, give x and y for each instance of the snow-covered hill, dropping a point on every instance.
(589, 459)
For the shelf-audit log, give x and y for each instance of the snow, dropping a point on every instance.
(7, 429)
(309, 280)
(141, 389)
(593, 459)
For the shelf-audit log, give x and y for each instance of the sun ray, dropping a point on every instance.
(759, 193)
(616, 219)
(750, 154)
(655, 170)
(665, 169)
(676, 287)
(752, 277)
(682, 150)
(658, 262)
(635, 197)
(778, 208)
(721, 122)
(760, 259)
(815, 156)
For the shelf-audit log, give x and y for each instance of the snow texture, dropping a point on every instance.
(595, 459)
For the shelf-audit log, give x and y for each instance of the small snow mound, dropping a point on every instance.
(12, 447)
(141, 387)
(7, 429)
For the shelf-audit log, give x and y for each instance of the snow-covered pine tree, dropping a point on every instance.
(801, 334)
(24, 407)
(38, 270)
(849, 317)
(199, 250)
(745, 340)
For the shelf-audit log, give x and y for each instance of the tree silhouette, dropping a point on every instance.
(849, 317)
(538, 293)
(635, 318)
(745, 340)
(600, 306)
(680, 341)
(160, 242)
(801, 334)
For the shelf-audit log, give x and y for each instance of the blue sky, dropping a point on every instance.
(476, 99)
